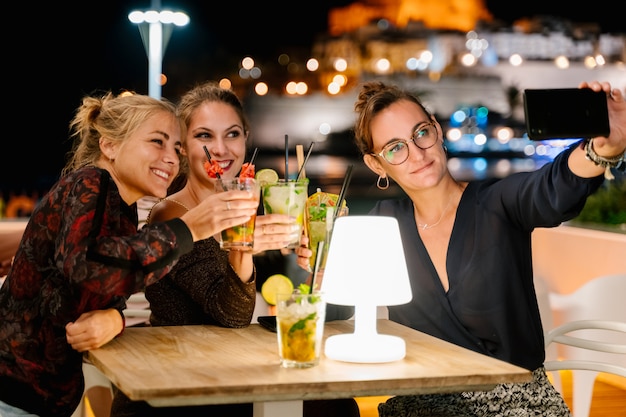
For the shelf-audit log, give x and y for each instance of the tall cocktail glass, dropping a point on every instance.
(300, 327)
(240, 237)
(287, 197)
(319, 227)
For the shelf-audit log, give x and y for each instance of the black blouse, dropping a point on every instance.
(491, 305)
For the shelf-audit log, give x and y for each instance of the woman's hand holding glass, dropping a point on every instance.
(304, 254)
(218, 212)
(273, 231)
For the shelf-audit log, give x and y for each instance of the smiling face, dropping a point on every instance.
(217, 126)
(146, 163)
(424, 167)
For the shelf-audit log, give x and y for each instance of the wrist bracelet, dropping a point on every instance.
(605, 162)
(602, 161)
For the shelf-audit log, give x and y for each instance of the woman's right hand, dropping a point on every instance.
(273, 231)
(220, 211)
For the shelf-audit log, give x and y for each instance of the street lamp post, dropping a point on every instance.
(155, 27)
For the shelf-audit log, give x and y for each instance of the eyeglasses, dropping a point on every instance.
(397, 151)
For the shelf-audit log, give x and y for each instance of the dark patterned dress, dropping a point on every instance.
(491, 306)
(80, 252)
(201, 292)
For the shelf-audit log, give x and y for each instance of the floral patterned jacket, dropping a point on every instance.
(81, 251)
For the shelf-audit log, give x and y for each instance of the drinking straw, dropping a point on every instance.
(286, 157)
(318, 261)
(306, 158)
(342, 193)
(217, 175)
(329, 222)
(300, 158)
(256, 150)
(208, 156)
(330, 216)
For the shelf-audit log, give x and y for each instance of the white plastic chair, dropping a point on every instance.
(595, 313)
(137, 310)
(94, 379)
(581, 338)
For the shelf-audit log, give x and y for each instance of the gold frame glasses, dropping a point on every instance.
(397, 151)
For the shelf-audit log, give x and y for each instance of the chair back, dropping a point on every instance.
(137, 310)
(584, 338)
(590, 334)
(601, 298)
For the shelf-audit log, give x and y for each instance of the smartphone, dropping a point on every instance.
(565, 113)
(269, 322)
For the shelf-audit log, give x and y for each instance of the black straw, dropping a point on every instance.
(286, 158)
(217, 175)
(306, 158)
(208, 156)
(342, 193)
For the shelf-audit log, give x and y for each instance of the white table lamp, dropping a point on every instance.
(366, 268)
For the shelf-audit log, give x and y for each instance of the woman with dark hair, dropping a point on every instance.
(468, 244)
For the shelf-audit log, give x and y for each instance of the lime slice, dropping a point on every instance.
(276, 284)
(266, 176)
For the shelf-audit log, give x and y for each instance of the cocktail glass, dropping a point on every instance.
(319, 228)
(240, 237)
(287, 197)
(300, 328)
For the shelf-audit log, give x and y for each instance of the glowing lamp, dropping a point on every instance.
(366, 268)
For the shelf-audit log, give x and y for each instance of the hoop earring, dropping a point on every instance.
(445, 148)
(379, 183)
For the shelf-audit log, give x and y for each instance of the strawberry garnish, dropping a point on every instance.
(213, 169)
(247, 170)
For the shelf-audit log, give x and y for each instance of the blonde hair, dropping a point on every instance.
(114, 117)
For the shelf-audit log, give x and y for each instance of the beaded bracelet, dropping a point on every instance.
(605, 162)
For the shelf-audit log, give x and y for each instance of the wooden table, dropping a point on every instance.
(190, 365)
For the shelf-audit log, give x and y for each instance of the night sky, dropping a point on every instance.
(55, 53)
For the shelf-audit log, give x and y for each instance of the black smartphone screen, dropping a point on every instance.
(269, 322)
(565, 113)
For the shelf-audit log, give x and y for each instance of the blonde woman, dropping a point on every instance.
(81, 254)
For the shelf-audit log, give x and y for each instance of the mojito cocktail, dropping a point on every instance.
(287, 197)
(300, 327)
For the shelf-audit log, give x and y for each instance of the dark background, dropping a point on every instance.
(55, 53)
